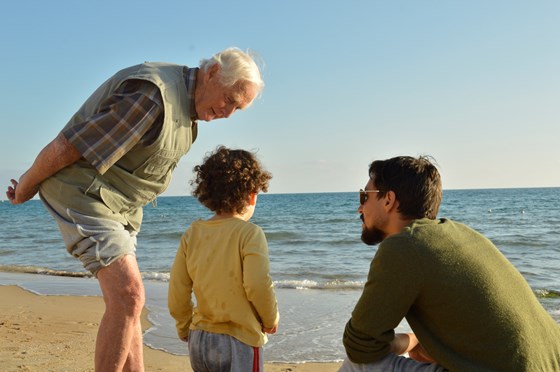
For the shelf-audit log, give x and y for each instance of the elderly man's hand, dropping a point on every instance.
(17, 194)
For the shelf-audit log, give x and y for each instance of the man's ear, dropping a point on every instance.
(213, 70)
(391, 201)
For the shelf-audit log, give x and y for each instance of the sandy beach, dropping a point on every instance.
(57, 333)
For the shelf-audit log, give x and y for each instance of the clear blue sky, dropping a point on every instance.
(475, 84)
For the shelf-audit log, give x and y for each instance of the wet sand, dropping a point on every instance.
(57, 333)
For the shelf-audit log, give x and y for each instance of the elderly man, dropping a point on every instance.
(468, 306)
(115, 155)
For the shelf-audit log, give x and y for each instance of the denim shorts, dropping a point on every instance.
(214, 352)
(391, 362)
(97, 242)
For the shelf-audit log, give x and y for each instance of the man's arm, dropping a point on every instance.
(393, 284)
(58, 154)
(125, 117)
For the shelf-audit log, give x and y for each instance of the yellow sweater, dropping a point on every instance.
(225, 263)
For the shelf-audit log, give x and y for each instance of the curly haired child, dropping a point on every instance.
(224, 261)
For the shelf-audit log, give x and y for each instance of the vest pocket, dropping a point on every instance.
(113, 199)
(157, 167)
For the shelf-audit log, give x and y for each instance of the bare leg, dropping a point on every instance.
(119, 339)
(135, 359)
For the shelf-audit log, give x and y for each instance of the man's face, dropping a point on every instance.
(373, 217)
(214, 101)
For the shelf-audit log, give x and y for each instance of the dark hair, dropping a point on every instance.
(415, 181)
(226, 178)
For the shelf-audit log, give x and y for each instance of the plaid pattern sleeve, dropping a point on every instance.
(131, 115)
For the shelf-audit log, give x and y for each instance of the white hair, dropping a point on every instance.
(235, 65)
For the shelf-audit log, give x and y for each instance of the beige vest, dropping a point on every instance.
(142, 173)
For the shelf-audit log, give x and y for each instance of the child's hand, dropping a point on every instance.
(270, 330)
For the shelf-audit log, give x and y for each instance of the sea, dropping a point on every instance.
(318, 262)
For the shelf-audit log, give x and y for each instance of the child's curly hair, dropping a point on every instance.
(226, 178)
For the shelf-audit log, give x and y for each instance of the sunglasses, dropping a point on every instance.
(364, 195)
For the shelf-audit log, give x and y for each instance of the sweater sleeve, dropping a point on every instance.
(391, 288)
(257, 281)
(180, 290)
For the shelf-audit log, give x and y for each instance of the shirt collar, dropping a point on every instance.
(190, 82)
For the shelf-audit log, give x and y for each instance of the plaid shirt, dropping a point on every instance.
(132, 115)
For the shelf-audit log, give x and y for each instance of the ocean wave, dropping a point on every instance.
(298, 284)
(547, 293)
(172, 236)
(282, 235)
(286, 284)
(44, 271)
(312, 284)
(335, 284)
(155, 276)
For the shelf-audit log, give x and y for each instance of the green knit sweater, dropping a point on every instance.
(467, 304)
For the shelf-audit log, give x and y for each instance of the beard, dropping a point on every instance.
(371, 235)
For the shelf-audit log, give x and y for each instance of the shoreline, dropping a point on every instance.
(46, 332)
(312, 321)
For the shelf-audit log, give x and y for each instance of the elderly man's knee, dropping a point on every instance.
(122, 287)
(128, 300)
(133, 295)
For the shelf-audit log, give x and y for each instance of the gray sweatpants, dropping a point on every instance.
(215, 352)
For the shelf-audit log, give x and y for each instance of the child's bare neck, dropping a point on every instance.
(223, 216)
